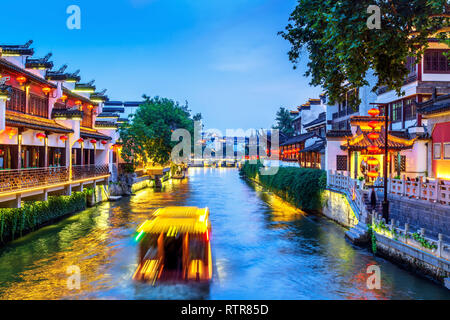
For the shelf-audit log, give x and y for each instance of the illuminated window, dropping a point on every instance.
(437, 151)
(447, 151)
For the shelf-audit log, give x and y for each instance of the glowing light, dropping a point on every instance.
(372, 174)
(374, 112)
(138, 237)
(46, 90)
(63, 138)
(10, 132)
(80, 140)
(40, 136)
(373, 149)
(21, 80)
(373, 135)
(64, 97)
(373, 161)
(78, 102)
(373, 124)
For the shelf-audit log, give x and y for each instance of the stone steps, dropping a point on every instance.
(358, 234)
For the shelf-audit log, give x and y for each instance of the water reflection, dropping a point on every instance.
(263, 249)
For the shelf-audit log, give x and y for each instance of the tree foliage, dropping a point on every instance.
(148, 135)
(284, 122)
(342, 49)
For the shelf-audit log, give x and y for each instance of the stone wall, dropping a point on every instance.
(337, 208)
(434, 217)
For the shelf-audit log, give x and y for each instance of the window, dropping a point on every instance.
(17, 101)
(437, 151)
(402, 164)
(411, 66)
(436, 62)
(87, 118)
(341, 163)
(38, 106)
(410, 109)
(397, 111)
(447, 151)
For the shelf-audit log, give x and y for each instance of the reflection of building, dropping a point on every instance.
(51, 139)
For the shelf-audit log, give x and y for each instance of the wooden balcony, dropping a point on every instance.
(13, 180)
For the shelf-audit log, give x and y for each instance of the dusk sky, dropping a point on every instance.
(224, 57)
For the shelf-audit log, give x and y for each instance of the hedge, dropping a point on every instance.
(15, 222)
(302, 187)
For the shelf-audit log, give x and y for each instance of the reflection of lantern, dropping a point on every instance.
(374, 112)
(46, 90)
(21, 80)
(372, 174)
(373, 161)
(63, 138)
(104, 142)
(40, 135)
(373, 135)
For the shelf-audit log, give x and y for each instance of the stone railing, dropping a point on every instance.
(89, 171)
(352, 187)
(433, 190)
(17, 179)
(437, 248)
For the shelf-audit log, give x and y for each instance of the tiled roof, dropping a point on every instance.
(299, 138)
(39, 62)
(24, 120)
(6, 64)
(22, 50)
(105, 124)
(321, 118)
(92, 134)
(77, 96)
(67, 113)
(316, 147)
(361, 142)
(440, 104)
(339, 133)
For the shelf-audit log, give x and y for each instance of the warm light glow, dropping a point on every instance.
(78, 102)
(46, 90)
(64, 98)
(21, 80)
(90, 106)
(374, 112)
(373, 161)
(80, 140)
(63, 138)
(373, 149)
(372, 174)
(373, 135)
(40, 135)
(93, 141)
(373, 124)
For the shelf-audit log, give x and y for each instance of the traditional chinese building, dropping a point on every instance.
(51, 140)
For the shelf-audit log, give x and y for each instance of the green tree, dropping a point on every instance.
(148, 135)
(284, 122)
(342, 48)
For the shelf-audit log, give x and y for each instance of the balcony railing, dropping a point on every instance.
(22, 179)
(89, 171)
(16, 179)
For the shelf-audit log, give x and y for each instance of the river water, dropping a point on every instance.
(263, 249)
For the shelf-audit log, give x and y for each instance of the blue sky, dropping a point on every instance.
(224, 57)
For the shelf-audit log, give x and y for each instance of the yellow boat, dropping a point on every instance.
(174, 246)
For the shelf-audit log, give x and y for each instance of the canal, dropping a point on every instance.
(263, 249)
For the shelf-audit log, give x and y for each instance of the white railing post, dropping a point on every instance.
(440, 245)
(406, 232)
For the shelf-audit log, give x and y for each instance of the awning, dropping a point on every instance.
(15, 119)
(361, 141)
(87, 133)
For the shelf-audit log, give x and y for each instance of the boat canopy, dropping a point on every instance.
(173, 220)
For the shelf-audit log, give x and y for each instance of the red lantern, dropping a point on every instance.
(63, 138)
(373, 135)
(372, 149)
(90, 106)
(40, 135)
(21, 80)
(80, 140)
(46, 90)
(93, 141)
(104, 142)
(10, 132)
(78, 102)
(373, 124)
(373, 161)
(374, 112)
(64, 98)
(372, 174)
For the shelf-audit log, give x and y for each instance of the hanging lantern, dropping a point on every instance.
(63, 138)
(373, 135)
(46, 90)
(21, 80)
(373, 124)
(40, 135)
(64, 97)
(373, 161)
(78, 102)
(373, 149)
(93, 141)
(90, 106)
(104, 142)
(374, 112)
(372, 174)
(10, 132)
(80, 140)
